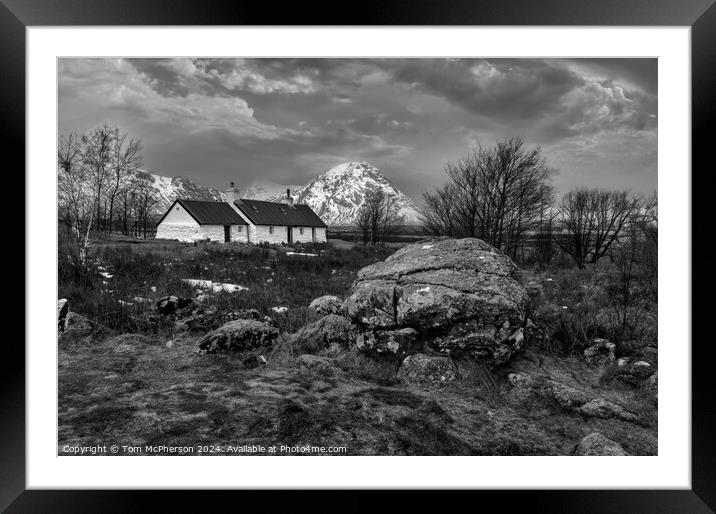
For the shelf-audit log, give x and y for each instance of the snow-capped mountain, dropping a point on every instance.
(168, 189)
(337, 194)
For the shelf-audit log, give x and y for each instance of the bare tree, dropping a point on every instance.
(377, 216)
(76, 209)
(96, 153)
(125, 156)
(496, 194)
(593, 219)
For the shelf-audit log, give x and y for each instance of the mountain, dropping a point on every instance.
(337, 194)
(262, 189)
(168, 189)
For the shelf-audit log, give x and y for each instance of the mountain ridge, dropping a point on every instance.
(336, 195)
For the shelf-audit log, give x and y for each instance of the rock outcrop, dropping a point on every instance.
(462, 297)
(238, 336)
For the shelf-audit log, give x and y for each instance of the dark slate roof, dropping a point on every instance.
(272, 213)
(209, 213)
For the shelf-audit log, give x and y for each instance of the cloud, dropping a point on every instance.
(118, 86)
(288, 119)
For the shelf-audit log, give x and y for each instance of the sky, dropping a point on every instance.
(288, 120)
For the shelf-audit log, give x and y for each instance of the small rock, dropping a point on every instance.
(426, 370)
(77, 323)
(171, 304)
(600, 352)
(170, 344)
(63, 307)
(596, 444)
(331, 332)
(328, 304)
(238, 336)
(604, 409)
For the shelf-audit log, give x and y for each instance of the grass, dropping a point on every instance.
(124, 385)
(141, 274)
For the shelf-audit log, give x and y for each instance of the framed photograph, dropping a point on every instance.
(423, 245)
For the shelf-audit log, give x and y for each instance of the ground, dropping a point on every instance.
(134, 382)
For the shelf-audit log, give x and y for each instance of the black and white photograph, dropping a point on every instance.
(357, 256)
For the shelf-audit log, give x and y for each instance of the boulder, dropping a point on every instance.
(388, 343)
(596, 444)
(238, 336)
(171, 304)
(328, 304)
(600, 353)
(462, 296)
(427, 370)
(331, 332)
(63, 307)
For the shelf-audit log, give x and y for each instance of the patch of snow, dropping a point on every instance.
(426, 247)
(423, 290)
(302, 254)
(280, 309)
(216, 287)
(227, 288)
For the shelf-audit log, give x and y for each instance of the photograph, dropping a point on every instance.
(357, 256)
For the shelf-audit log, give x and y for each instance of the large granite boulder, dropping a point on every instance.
(238, 336)
(462, 296)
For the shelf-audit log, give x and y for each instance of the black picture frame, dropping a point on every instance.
(700, 15)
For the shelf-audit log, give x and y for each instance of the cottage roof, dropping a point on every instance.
(209, 213)
(273, 213)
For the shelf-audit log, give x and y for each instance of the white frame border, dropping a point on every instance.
(670, 469)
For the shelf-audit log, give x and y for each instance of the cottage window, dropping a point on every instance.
(300, 230)
(240, 229)
(270, 230)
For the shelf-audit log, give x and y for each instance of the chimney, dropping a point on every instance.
(231, 194)
(289, 198)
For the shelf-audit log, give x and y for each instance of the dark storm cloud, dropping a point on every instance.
(286, 120)
(491, 88)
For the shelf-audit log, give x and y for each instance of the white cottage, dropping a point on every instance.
(242, 220)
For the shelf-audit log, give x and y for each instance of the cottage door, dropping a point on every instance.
(313, 234)
(227, 233)
(289, 234)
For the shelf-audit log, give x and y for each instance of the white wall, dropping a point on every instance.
(178, 224)
(262, 234)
